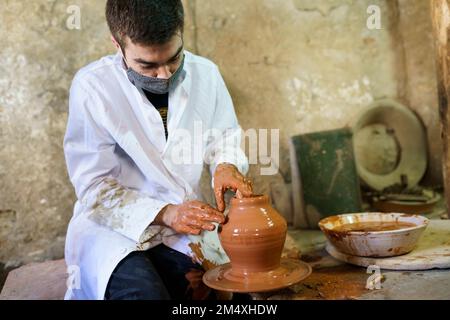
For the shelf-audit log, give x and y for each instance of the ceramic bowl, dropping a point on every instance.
(409, 207)
(380, 243)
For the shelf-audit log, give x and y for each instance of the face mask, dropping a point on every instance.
(153, 84)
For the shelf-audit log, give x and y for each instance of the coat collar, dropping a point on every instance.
(179, 97)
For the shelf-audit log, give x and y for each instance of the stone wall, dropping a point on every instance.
(297, 65)
(40, 56)
(420, 84)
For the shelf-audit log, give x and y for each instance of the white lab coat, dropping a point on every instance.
(122, 169)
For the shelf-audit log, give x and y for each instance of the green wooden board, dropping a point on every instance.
(325, 180)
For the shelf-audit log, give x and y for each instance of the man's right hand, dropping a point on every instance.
(191, 217)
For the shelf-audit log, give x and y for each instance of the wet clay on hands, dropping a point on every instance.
(191, 217)
(227, 176)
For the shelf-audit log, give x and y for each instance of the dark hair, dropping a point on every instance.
(146, 22)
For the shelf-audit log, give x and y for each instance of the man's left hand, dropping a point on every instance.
(227, 176)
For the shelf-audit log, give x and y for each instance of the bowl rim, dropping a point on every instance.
(424, 224)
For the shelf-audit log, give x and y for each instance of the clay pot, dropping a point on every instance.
(253, 236)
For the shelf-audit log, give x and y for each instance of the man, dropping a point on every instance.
(137, 201)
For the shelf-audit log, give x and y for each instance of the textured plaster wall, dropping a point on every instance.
(297, 65)
(420, 85)
(39, 56)
(300, 66)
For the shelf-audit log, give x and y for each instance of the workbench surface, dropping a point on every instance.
(332, 279)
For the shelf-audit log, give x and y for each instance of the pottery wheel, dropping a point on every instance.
(432, 251)
(290, 272)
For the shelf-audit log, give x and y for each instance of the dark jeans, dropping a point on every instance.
(156, 274)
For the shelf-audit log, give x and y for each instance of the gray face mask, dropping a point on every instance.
(153, 84)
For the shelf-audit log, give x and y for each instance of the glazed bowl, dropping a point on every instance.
(374, 234)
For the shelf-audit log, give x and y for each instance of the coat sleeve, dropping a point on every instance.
(94, 169)
(224, 144)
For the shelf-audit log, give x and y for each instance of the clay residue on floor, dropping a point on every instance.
(311, 258)
(337, 283)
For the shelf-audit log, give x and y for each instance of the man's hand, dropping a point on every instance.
(227, 176)
(191, 217)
